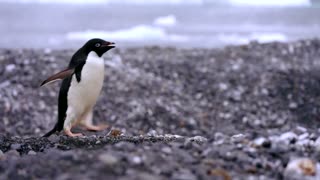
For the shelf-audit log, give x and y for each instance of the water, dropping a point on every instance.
(65, 25)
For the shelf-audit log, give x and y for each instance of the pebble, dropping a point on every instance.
(108, 159)
(10, 67)
(259, 142)
(288, 137)
(301, 166)
(166, 150)
(15, 146)
(184, 174)
(303, 136)
(136, 160)
(32, 153)
(238, 138)
(197, 139)
(54, 138)
(12, 153)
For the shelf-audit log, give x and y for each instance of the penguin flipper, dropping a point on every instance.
(59, 76)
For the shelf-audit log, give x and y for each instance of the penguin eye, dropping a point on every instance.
(98, 45)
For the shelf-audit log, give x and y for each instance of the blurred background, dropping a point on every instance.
(181, 23)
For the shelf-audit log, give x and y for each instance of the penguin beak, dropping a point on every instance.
(109, 44)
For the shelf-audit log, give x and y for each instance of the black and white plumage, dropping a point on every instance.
(81, 86)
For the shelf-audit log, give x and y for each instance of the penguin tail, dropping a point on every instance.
(50, 133)
(55, 129)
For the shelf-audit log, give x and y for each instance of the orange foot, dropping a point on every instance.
(70, 134)
(100, 127)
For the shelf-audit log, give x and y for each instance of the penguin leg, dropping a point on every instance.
(69, 122)
(87, 122)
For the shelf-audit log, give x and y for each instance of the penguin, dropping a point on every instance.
(80, 88)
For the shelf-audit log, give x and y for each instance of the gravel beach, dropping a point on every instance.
(241, 112)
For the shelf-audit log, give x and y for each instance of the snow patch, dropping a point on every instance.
(133, 34)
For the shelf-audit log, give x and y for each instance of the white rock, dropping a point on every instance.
(301, 166)
(47, 50)
(288, 136)
(10, 67)
(259, 141)
(108, 159)
(136, 160)
(198, 139)
(238, 137)
(32, 152)
(301, 129)
(305, 143)
(223, 86)
(166, 150)
(303, 136)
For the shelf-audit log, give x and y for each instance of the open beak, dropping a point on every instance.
(109, 44)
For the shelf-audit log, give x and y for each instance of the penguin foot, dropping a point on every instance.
(100, 127)
(70, 134)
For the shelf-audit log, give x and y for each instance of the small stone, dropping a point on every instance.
(262, 142)
(32, 152)
(152, 133)
(288, 137)
(108, 159)
(115, 133)
(12, 153)
(223, 86)
(197, 139)
(301, 166)
(54, 138)
(10, 68)
(136, 160)
(166, 150)
(219, 138)
(293, 105)
(15, 146)
(303, 136)
(47, 51)
(184, 174)
(238, 138)
(220, 172)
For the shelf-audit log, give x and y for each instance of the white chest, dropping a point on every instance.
(84, 94)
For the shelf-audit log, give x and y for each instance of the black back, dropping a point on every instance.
(77, 62)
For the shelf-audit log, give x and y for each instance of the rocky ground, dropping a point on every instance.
(242, 112)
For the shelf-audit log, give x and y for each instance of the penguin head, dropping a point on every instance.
(99, 46)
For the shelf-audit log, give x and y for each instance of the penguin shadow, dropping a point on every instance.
(298, 91)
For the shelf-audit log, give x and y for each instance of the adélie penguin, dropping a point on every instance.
(80, 88)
